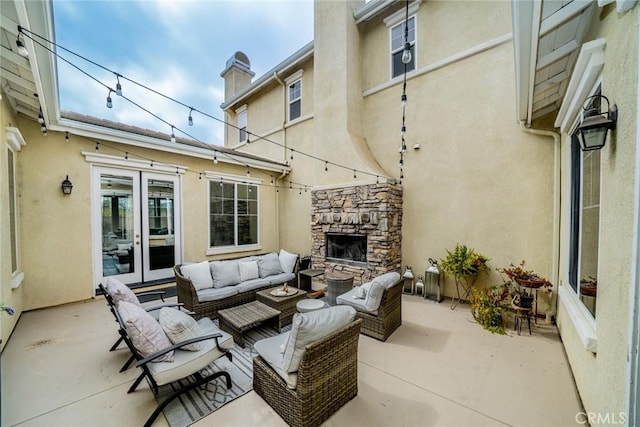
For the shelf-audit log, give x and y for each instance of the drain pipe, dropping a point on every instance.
(277, 218)
(556, 205)
(284, 154)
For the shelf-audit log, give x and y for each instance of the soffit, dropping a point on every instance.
(547, 39)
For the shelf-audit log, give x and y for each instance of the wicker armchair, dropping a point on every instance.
(327, 379)
(389, 316)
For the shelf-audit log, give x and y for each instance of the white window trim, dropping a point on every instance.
(587, 71)
(239, 111)
(15, 142)
(399, 16)
(586, 76)
(213, 177)
(135, 164)
(289, 102)
(294, 77)
(415, 47)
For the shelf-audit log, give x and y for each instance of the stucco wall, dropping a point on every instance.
(477, 178)
(11, 297)
(56, 230)
(602, 377)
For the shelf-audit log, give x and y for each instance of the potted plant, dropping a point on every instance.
(463, 261)
(522, 281)
(487, 307)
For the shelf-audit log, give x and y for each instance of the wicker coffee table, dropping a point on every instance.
(237, 320)
(285, 304)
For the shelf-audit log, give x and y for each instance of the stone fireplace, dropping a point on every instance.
(357, 229)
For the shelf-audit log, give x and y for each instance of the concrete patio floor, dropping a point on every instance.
(439, 368)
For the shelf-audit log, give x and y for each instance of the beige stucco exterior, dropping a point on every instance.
(602, 376)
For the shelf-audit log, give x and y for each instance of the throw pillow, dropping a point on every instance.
(287, 261)
(144, 331)
(179, 327)
(120, 292)
(248, 270)
(199, 274)
(269, 264)
(310, 327)
(225, 273)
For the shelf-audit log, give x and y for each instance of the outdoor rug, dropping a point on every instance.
(198, 403)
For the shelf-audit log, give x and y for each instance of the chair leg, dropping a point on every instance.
(126, 365)
(136, 383)
(190, 387)
(113, 347)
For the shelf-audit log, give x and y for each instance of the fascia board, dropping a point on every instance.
(586, 71)
(522, 18)
(135, 140)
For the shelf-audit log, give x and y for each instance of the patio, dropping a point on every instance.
(439, 368)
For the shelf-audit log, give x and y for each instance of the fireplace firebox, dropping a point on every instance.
(347, 248)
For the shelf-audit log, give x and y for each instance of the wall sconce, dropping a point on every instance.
(592, 132)
(66, 186)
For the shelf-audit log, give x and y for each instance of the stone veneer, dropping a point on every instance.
(374, 210)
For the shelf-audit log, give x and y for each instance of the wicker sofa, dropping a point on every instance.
(379, 322)
(207, 302)
(327, 378)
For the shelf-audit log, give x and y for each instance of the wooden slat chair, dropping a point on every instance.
(185, 364)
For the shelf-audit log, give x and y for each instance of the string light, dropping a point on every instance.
(271, 180)
(66, 136)
(403, 100)
(190, 120)
(215, 158)
(126, 155)
(326, 166)
(173, 136)
(200, 175)
(40, 118)
(97, 145)
(22, 50)
(248, 172)
(109, 102)
(406, 53)
(354, 174)
(31, 35)
(118, 85)
(43, 129)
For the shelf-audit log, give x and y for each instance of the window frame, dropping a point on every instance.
(291, 102)
(242, 124)
(412, 66)
(15, 142)
(254, 185)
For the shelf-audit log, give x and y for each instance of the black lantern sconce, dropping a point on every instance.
(592, 132)
(66, 186)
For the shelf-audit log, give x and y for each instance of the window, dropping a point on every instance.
(585, 223)
(397, 46)
(242, 123)
(295, 100)
(233, 214)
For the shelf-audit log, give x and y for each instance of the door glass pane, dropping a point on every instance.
(117, 224)
(161, 241)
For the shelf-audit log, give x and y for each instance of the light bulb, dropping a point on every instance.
(190, 118)
(403, 99)
(22, 50)
(173, 135)
(109, 102)
(40, 119)
(406, 53)
(215, 159)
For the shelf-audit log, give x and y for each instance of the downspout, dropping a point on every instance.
(284, 142)
(556, 204)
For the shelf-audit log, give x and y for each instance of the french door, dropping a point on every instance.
(137, 224)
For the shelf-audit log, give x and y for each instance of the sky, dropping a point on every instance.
(176, 47)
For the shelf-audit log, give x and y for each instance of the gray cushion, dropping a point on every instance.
(189, 362)
(225, 273)
(215, 294)
(269, 264)
(252, 285)
(308, 328)
(378, 286)
(277, 279)
(199, 274)
(350, 299)
(179, 327)
(270, 349)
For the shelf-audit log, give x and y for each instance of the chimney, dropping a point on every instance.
(237, 74)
